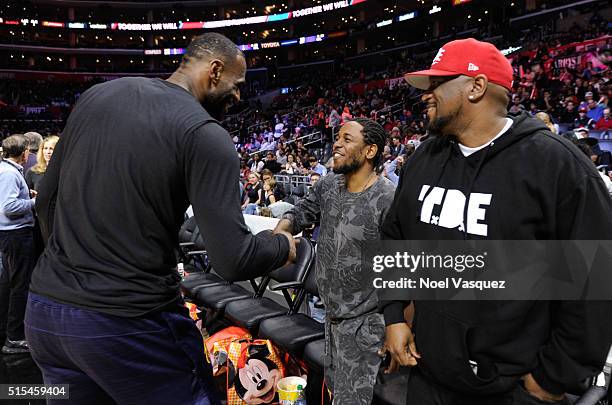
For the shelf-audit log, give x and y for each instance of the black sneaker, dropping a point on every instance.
(15, 346)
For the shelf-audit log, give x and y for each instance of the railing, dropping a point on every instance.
(298, 139)
(294, 180)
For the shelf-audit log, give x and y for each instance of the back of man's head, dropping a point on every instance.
(210, 45)
(14, 146)
(34, 140)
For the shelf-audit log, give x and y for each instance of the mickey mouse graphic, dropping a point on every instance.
(257, 376)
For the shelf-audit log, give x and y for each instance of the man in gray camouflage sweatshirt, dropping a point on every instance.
(350, 205)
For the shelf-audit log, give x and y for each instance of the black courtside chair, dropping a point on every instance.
(248, 313)
(292, 332)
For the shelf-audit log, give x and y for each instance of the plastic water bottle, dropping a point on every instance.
(301, 400)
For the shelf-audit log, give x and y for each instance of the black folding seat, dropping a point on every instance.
(248, 313)
(286, 189)
(187, 235)
(299, 191)
(314, 354)
(292, 332)
(217, 296)
(198, 278)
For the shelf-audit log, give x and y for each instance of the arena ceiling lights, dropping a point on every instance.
(186, 25)
(247, 47)
(403, 17)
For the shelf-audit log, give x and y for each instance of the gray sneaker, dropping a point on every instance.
(15, 347)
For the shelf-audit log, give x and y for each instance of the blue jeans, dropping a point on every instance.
(155, 359)
(251, 209)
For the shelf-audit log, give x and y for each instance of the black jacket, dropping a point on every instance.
(530, 184)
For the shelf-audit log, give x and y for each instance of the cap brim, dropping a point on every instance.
(420, 79)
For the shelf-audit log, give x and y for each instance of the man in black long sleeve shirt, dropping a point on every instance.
(134, 154)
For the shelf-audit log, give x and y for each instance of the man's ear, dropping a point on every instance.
(371, 152)
(216, 68)
(478, 88)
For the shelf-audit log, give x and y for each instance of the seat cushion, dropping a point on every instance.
(314, 354)
(291, 332)
(193, 282)
(218, 296)
(248, 313)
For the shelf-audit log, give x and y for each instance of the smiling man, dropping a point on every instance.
(105, 313)
(487, 175)
(349, 205)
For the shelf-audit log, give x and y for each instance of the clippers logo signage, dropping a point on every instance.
(445, 208)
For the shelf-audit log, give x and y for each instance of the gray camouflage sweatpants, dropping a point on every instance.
(351, 358)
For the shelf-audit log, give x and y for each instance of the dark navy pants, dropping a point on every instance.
(18, 258)
(156, 359)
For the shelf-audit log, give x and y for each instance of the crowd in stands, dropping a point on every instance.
(293, 136)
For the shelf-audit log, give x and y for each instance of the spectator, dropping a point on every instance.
(316, 167)
(586, 149)
(334, 120)
(257, 165)
(106, 281)
(582, 135)
(583, 121)
(34, 140)
(279, 192)
(354, 329)
(251, 197)
(346, 115)
(392, 168)
(16, 243)
(279, 130)
(595, 111)
(269, 187)
(281, 155)
(604, 123)
(517, 106)
(36, 173)
(314, 178)
(291, 166)
(268, 145)
(547, 347)
(271, 163)
(544, 117)
(569, 114)
(244, 171)
(397, 148)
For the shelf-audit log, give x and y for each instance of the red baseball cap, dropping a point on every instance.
(468, 57)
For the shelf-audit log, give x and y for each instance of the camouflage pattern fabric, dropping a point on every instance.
(351, 358)
(347, 220)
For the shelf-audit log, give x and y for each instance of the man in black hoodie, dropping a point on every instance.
(484, 175)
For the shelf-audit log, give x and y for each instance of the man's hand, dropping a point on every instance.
(534, 389)
(33, 193)
(292, 246)
(284, 225)
(399, 342)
